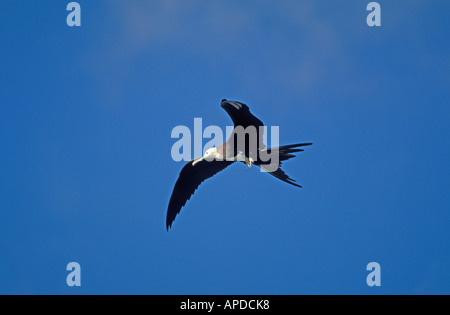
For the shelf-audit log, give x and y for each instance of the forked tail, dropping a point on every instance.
(284, 153)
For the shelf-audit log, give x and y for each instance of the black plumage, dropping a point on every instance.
(200, 169)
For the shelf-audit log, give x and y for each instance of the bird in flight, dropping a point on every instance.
(244, 145)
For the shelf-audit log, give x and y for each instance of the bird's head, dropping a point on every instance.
(209, 155)
(233, 106)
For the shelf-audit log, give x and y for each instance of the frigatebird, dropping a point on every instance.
(250, 151)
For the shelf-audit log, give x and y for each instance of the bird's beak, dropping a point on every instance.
(199, 160)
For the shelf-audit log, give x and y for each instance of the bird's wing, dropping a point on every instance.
(241, 116)
(188, 181)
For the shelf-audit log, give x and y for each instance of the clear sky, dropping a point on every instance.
(86, 115)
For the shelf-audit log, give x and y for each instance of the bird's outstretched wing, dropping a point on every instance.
(241, 116)
(188, 181)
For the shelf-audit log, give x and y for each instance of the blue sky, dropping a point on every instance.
(86, 172)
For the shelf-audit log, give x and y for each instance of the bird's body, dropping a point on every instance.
(244, 145)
